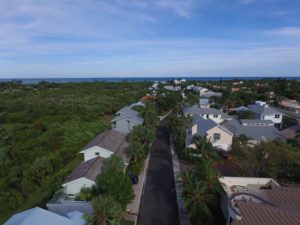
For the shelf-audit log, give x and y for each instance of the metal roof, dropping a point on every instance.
(196, 110)
(39, 216)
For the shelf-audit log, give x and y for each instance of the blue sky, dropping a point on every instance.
(115, 38)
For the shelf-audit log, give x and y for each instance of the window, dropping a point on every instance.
(217, 136)
(97, 153)
(215, 115)
(277, 116)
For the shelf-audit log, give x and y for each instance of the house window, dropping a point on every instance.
(97, 153)
(215, 115)
(277, 116)
(217, 136)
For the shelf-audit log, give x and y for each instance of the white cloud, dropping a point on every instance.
(285, 31)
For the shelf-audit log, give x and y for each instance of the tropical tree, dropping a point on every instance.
(136, 151)
(106, 211)
(205, 148)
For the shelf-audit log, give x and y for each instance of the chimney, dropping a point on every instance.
(194, 129)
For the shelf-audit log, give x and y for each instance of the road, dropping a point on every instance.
(159, 205)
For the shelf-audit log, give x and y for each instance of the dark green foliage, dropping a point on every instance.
(114, 182)
(106, 211)
(44, 126)
(168, 102)
(274, 159)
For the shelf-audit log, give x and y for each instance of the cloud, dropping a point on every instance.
(285, 31)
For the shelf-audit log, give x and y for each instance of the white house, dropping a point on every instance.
(199, 89)
(127, 118)
(219, 136)
(39, 216)
(83, 175)
(253, 201)
(206, 113)
(105, 145)
(262, 111)
(172, 88)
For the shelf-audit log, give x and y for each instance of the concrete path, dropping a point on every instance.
(159, 205)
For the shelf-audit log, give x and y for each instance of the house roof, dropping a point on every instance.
(264, 214)
(253, 132)
(196, 110)
(209, 94)
(261, 201)
(39, 216)
(263, 110)
(204, 101)
(89, 169)
(129, 114)
(110, 140)
(203, 125)
(257, 122)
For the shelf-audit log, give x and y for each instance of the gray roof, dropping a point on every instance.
(261, 110)
(39, 216)
(255, 122)
(196, 110)
(253, 132)
(128, 114)
(89, 169)
(110, 140)
(204, 101)
(203, 125)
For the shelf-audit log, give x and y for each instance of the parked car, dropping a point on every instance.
(134, 178)
(223, 154)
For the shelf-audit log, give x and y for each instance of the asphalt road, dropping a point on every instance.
(159, 205)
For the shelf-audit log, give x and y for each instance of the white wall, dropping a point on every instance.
(218, 119)
(74, 187)
(91, 153)
(225, 140)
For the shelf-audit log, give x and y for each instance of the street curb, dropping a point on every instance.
(134, 217)
(183, 217)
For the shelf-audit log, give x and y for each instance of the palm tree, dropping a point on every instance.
(205, 148)
(106, 212)
(136, 151)
(199, 201)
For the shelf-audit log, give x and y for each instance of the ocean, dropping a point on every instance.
(135, 79)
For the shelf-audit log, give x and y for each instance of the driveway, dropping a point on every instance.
(159, 205)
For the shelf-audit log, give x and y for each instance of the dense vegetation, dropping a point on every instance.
(43, 127)
(274, 159)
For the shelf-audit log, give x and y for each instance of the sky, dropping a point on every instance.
(145, 38)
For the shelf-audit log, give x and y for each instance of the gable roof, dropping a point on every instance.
(253, 132)
(263, 110)
(39, 216)
(129, 114)
(89, 169)
(110, 140)
(203, 125)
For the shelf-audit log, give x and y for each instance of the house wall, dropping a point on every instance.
(91, 153)
(218, 119)
(225, 139)
(74, 187)
(122, 126)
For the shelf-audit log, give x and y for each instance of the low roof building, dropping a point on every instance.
(39, 216)
(105, 144)
(252, 201)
